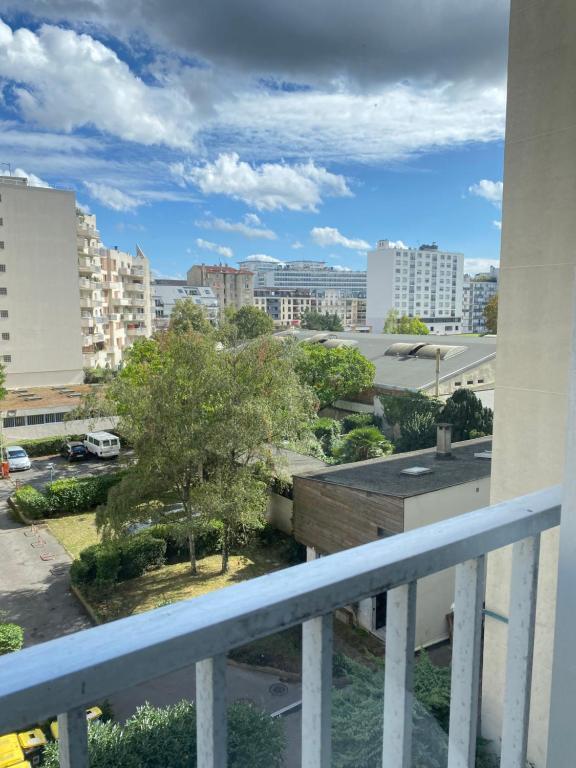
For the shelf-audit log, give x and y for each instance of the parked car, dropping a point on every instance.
(102, 444)
(17, 458)
(74, 451)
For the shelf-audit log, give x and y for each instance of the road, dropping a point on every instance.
(35, 593)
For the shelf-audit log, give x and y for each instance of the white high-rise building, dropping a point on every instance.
(305, 275)
(422, 282)
(39, 293)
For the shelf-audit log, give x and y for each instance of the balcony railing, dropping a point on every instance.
(70, 673)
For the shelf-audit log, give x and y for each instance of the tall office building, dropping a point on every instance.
(305, 275)
(482, 288)
(423, 282)
(115, 301)
(165, 294)
(39, 291)
(232, 287)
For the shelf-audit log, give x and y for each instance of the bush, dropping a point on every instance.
(356, 420)
(11, 638)
(290, 549)
(98, 564)
(46, 446)
(363, 443)
(73, 495)
(327, 431)
(166, 736)
(32, 502)
(139, 553)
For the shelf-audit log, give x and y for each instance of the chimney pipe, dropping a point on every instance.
(443, 441)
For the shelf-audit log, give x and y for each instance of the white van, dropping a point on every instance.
(102, 444)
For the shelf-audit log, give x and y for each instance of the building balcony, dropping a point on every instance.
(138, 330)
(111, 285)
(90, 302)
(74, 671)
(137, 302)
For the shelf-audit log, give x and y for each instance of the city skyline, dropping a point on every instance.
(204, 154)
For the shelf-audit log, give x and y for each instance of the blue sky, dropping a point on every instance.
(296, 137)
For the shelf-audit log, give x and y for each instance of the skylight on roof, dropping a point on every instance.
(416, 471)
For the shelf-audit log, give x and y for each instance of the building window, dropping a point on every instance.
(7, 358)
(15, 421)
(5, 337)
(1, 221)
(1, 245)
(37, 418)
(2, 267)
(3, 291)
(3, 313)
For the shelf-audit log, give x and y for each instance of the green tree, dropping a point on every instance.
(11, 638)
(187, 316)
(491, 314)
(250, 322)
(317, 321)
(166, 736)
(396, 323)
(469, 418)
(334, 373)
(418, 432)
(363, 443)
(94, 405)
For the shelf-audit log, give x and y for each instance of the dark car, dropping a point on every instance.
(74, 451)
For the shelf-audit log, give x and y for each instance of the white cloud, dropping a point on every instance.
(111, 197)
(269, 186)
(327, 236)
(340, 268)
(489, 190)
(401, 246)
(221, 250)
(473, 266)
(263, 257)
(83, 207)
(249, 227)
(64, 80)
(297, 245)
(497, 223)
(33, 180)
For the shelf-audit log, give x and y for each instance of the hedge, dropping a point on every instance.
(166, 736)
(11, 638)
(356, 420)
(46, 446)
(208, 541)
(65, 497)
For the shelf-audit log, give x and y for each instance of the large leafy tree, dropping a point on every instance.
(334, 373)
(469, 418)
(491, 314)
(363, 443)
(396, 323)
(413, 418)
(187, 316)
(250, 322)
(321, 322)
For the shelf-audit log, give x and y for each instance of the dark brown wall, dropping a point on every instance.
(332, 517)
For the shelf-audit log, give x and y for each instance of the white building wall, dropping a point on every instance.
(38, 233)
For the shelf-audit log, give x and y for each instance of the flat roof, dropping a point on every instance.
(412, 373)
(32, 398)
(384, 476)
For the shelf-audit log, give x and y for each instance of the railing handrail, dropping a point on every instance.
(76, 670)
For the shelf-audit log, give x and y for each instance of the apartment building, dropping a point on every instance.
(423, 282)
(305, 275)
(482, 288)
(232, 287)
(115, 300)
(286, 307)
(39, 292)
(166, 293)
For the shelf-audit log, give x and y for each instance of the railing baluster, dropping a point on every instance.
(73, 739)
(522, 613)
(317, 692)
(398, 697)
(468, 604)
(211, 725)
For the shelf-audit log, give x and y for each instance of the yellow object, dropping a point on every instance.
(32, 739)
(10, 752)
(24, 764)
(92, 713)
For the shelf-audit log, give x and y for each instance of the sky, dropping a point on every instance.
(210, 132)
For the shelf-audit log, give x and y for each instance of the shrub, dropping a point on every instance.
(139, 553)
(166, 736)
(11, 638)
(327, 432)
(73, 495)
(363, 443)
(292, 551)
(46, 446)
(356, 420)
(98, 565)
(32, 502)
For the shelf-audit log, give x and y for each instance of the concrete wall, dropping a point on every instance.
(43, 299)
(435, 594)
(536, 275)
(379, 288)
(280, 513)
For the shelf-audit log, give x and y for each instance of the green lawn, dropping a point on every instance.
(172, 583)
(75, 532)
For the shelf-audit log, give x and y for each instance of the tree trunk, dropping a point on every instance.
(225, 549)
(192, 550)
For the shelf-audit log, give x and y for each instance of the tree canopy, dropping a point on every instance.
(491, 314)
(187, 316)
(334, 373)
(396, 323)
(469, 418)
(363, 443)
(320, 322)
(250, 322)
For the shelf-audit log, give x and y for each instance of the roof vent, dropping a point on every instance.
(416, 471)
(483, 455)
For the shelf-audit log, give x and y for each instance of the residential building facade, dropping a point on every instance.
(423, 282)
(39, 292)
(286, 307)
(166, 293)
(306, 275)
(233, 288)
(482, 288)
(115, 299)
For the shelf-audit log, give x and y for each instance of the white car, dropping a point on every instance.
(17, 458)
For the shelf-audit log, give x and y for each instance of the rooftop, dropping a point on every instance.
(43, 397)
(384, 476)
(407, 372)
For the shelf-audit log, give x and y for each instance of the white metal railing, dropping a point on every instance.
(70, 673)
